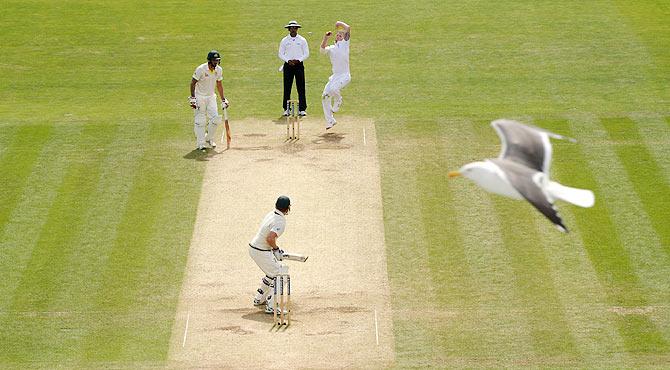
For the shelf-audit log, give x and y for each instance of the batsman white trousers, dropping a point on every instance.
(267, 262)
(206, 110)
(332, 91)
(271, 267)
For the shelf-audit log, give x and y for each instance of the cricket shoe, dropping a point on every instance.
(259, 303)
(286, 113)
(302, 113)
(211, 143)
(201, 148)
(269, 310)
(330, 125)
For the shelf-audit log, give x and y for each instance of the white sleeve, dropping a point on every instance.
(305, 50)
(196, 75)
(278, 227)
(282, 51)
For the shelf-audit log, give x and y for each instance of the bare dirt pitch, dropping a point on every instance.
(340, 296)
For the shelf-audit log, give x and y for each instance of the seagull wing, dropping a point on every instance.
(521, 178)
(524, 144)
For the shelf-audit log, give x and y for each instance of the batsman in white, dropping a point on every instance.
(203, 99)
(339, 58)
(264, 250)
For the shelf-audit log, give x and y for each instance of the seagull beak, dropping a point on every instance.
(454, 174)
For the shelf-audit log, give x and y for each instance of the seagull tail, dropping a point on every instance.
(579, 197)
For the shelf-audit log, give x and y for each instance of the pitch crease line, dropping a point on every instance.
(364, 141)
(376, 328)
(188, 317)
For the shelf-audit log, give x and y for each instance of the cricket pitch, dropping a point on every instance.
(341, 313)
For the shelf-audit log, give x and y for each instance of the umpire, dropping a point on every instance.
(293, 50)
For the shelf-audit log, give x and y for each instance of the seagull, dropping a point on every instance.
(521, 171)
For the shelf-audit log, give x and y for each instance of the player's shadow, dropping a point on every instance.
(252, 148)
(280, 121)
(262, 317)
(199, 155)
(330, 138)
(258, 316)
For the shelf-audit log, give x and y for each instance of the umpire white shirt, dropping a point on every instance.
(293, 48)
(207, 79)
(273, 222)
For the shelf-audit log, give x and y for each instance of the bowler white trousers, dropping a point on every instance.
(332, 91)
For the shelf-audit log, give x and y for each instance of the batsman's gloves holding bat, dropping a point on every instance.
(224, 103)
(279, 254)
(192, 101)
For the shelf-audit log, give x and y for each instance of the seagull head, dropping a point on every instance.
(476, 171)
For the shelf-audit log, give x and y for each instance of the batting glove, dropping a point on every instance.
(279, 254)
(192, 101)
(224, 103)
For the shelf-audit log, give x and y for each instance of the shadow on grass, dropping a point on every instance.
(202, 155)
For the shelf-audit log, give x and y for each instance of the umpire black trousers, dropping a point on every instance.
(296, 71)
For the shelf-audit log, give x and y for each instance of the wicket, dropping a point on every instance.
(284, 308)
(292, 120)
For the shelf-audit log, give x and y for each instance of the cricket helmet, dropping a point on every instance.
(212, 55)
(283, 203)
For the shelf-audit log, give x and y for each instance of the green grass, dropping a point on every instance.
(99, 191)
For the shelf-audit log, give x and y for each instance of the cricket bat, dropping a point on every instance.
(294, 257)
(227, 131)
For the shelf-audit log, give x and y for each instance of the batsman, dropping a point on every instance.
(264, 250)
(206, 78)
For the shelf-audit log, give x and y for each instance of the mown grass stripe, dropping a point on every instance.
(450, 272)
(130, 257)
(127, 259)
(90, 248)
(168, 246)
(405, 251)
(581, 292)
(7, 133)
(606, 250)
(412, 289)
(656, 136)
(16, 164)
(533, 285)
(643, 173)
(496, 316)
(449, 269)
(19, 239)
(644, 246)
(548, 326)
(31, 212)
(407, 260)
(43, 275)
(635, 232)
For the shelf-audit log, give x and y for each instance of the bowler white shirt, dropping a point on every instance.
(207, 79)
(293, 48)
(339, 56)
(273, 222)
